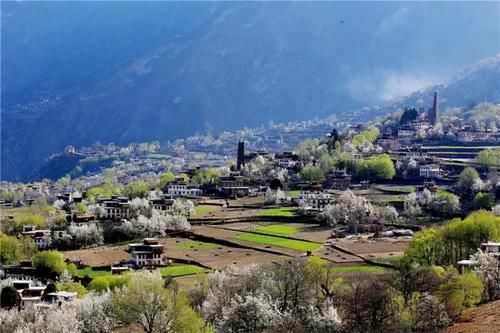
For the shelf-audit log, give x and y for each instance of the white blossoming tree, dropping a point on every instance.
(487, 266)
(349, 209)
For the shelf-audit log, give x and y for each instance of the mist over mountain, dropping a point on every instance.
(475, 84)
(80, 72)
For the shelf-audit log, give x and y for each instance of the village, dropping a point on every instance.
(353, 199)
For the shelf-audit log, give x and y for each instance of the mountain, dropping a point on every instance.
(80, 72)
(475, 84)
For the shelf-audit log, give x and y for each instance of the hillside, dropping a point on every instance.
(484, 319)
(475, 84)
(190, 69)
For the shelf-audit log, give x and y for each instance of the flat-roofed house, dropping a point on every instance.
(430, 170)
(232, 185)
(162, 205)
(41, 238)
(181, 188)
(491, 247)
(30, 293)
(338, 179)
(147, 253)
(314, 201)
(286, 159)
(114, 208)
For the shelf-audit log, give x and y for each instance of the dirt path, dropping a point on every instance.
(484, 319)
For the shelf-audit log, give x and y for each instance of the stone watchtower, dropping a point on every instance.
(241, 155)
(434, 112)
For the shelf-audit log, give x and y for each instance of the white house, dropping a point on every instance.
(41, 238)
(315, 200)
(491, 247)
(147, 253)
(114, 208)
(430, 170)
(180, 188)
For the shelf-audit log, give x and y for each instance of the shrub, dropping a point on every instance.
(49, 263)
(483, 200)
(108, 282)
(375, 167)
(9, 297)
(312, 174)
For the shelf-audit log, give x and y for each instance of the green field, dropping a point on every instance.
(205, 209)
(280, 212)
(277, 230)
(293, 194)
(191, 245)
(278, 241)
(88, 271)
(182, 270)
(356, 269)
(397, 189)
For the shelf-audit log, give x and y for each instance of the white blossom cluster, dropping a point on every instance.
(92, 314)
(253, 299)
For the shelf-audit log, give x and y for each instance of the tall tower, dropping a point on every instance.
(240, 161)
(434, 112)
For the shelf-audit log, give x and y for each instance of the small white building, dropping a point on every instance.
(420, 125)
(316, 201)
(286, 159)
(41, 238)
(430, 170)
(180, 188)
(405, 133)
(491, 247)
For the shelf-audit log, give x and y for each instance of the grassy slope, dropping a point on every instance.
(277, 230)
(281, 211)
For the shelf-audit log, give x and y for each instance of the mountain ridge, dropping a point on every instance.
(221, 67)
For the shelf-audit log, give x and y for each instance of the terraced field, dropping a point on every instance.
(278, 241)
(182, 270)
